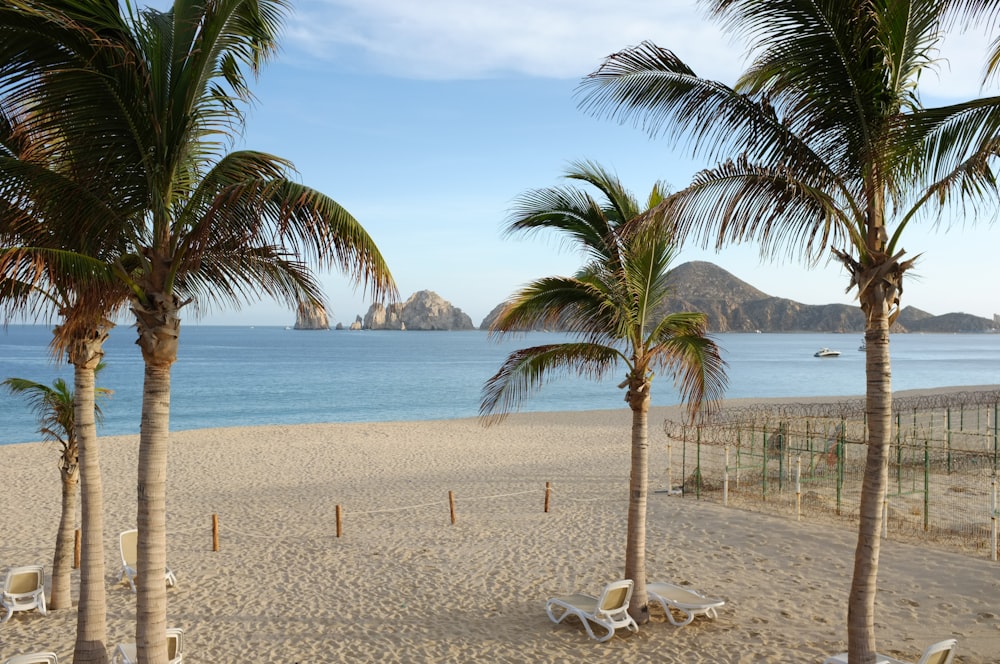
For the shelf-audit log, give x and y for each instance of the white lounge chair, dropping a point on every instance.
(125, 653)
(23, 590)
(685, 601)
(127, 542)
(941, 652)
(610, 610)
(33, 658)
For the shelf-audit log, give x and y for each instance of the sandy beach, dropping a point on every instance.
(404, 584)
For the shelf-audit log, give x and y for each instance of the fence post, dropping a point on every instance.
(725, 478)
(548, 493)
(798, 488)
(684, 454)
(993, 518)
(841, 444)
(215, 532)
(76, 549)
(697, 469)
(340, 521)
(927, 483)
(899, 453)
(451, 506)
(763, 456)
(809, 442)
(948, 440)
(781, 457)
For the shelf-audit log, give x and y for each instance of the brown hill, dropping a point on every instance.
(732, 305)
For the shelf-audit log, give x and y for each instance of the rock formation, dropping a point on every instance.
(424, 310)
(311, 317)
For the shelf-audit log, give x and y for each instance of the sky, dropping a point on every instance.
(427, 119)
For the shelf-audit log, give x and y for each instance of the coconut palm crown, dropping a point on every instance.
(615, 308)
(824, 146)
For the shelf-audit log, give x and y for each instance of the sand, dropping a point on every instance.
(404, 584)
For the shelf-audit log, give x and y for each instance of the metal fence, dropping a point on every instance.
(807, 460)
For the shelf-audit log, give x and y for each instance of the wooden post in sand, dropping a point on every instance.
(995, 514)
(548, 494)
(215, 532)
(76, 547)
(451, 506)
(340, 521)
(725, 478)
(798, 488)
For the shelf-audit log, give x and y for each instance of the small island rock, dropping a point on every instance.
(311, 317)
(424, 310)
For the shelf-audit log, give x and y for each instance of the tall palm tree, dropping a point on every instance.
(825, 147)
(54, 408)
(56, 257)
(215, 227)
(615, 306)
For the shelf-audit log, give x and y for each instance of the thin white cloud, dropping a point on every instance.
(468, 39)
(566, 39)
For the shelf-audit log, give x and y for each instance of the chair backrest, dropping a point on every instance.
(941, 652)
(615, 597)
(26, 579)
(174, 651)
(127, 543)
(33, 658)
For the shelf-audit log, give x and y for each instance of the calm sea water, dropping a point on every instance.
(235, 376)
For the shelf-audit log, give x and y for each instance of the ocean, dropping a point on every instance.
(240, 376)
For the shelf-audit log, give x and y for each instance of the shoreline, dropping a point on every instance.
(735, 402)
(402, 584)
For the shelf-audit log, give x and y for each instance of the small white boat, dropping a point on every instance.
(826, 352)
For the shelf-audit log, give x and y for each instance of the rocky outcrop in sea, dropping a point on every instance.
(311, 317)
(424, 310)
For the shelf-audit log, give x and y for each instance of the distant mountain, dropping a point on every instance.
(733, 305)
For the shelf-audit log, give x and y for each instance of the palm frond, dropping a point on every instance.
(680, 345)
(244, 202)
(738, 202)
(526, 370)
(945, 139)
(573, 304)
(580, 220)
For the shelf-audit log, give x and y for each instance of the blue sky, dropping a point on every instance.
(427, 119)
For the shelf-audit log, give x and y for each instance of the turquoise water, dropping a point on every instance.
(236, 376)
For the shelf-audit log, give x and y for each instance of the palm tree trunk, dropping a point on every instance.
(878, 409)
(62, 563)
(91, 621)
(635, 544)
(159, 329)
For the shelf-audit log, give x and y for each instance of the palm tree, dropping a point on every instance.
(826, 147)
(54, 409)
(55, 258)
(215, 227)
(615, 306)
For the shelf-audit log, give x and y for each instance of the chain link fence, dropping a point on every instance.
(807, 460)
